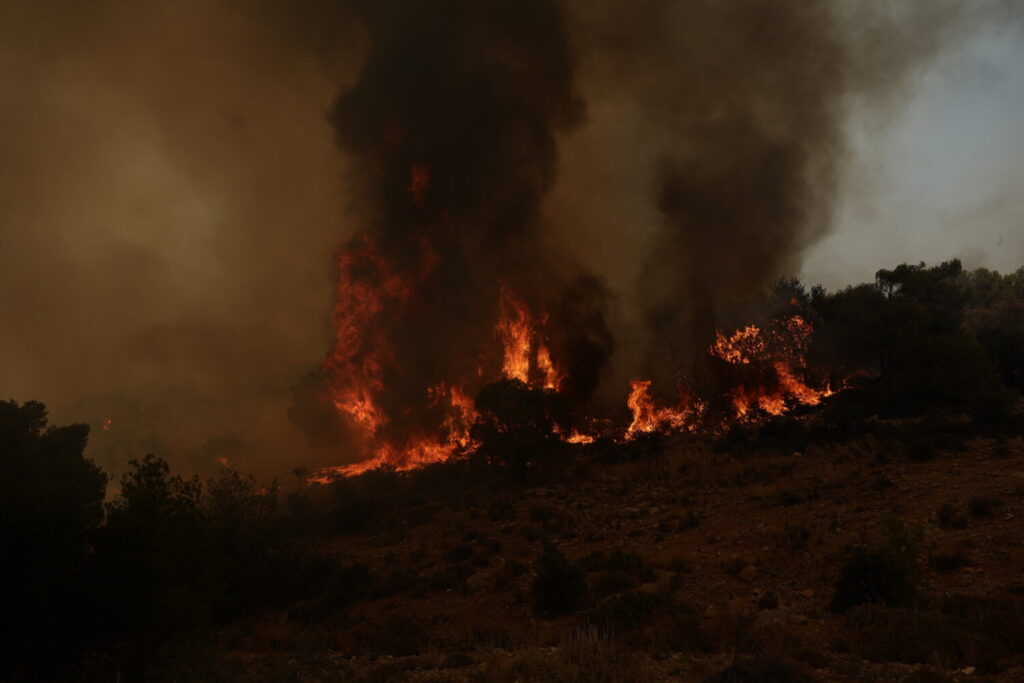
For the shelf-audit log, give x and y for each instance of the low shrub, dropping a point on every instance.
(885, 574)
(760, 670)
(559, 586)
(949, 562)
(651, 622)
(616, 571)
(951, 517)
(984, 507)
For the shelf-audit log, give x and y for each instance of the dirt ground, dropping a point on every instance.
(699, 561)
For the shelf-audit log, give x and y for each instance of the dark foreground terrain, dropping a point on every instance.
(768, 554)
(872, 536)
(859, 562)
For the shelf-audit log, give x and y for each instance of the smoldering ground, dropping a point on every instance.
(176, 176)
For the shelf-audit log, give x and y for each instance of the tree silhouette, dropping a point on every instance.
(50, 503)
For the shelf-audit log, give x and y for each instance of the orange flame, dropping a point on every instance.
(578, 438)
(553, 377)
(648, 416)
(372, 294)
(740, 347)
(526, 356)
(367, 287)
(515, 329)
(783, 349)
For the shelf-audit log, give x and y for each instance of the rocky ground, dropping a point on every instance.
(705, 562)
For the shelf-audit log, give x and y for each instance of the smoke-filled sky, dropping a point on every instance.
(172, 188)
(942, 175)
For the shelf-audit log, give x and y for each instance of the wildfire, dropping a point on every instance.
(740, 347)
(526, 357)
(375, 292)
(782, 350)
(648, 416)
(578, 438)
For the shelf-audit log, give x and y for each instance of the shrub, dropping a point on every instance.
(949, 562)
(886, 574)
(768, 600)
(559, 586)
(883, 634)
(518, 425)
(962, 630)
(542, 514)
(398, 635)
(760, 670)
(984, 507)
(651, 622)
(618, 571)
(793, 537)
(588, 655)
(350, 584)
(951, 518)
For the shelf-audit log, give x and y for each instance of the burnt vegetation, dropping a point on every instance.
(162, 577)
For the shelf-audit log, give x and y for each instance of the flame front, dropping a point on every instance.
(374, 294)
(649, 417)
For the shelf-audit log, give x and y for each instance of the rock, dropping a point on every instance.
(749, 573)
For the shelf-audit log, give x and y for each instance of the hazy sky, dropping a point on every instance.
(940, 176)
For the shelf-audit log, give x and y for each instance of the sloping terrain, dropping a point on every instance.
(701, 560)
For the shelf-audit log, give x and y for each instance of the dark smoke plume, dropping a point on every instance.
(175, 174)
(736, 114)
(466, 98)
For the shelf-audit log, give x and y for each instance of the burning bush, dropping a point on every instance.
(519, 425)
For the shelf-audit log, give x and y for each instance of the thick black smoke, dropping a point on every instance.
(171, 189)
(464, 98)
(736, 114)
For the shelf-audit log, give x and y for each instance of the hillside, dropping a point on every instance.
(693, 559)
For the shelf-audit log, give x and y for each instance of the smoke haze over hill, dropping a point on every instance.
(176, 177)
